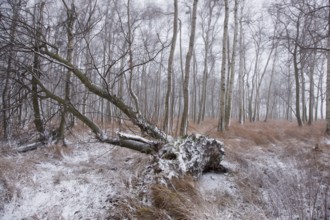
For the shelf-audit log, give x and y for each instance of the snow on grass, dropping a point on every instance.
(282, 179)
(78, 186)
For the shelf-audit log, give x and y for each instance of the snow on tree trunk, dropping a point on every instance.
(191, 155)
(173, 164)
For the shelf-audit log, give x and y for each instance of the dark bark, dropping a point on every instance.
(131, 142)
(6, 88)
(328, 78)
(36, 68)
(296, 76)
(136, 117)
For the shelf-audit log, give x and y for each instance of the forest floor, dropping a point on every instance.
(275, 171)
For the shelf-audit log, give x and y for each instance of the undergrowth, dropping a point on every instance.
(276, 170)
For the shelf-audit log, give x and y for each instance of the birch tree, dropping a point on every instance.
(70, 22)
(170, 69)
(184, 117)
(229, 98)
(209, 18)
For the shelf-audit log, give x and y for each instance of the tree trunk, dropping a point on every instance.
(328, 77)
(290, 98)
(241, 70)
(296, 76)
(303, 94)
(177, 127)
(36, 68)
(9, 69)
(232, 71)
(270, 85)
(130, 62)
(157, 94)
(260, 81)
(194, 90)
(136, 117)
(69, 57)
(172, 107)
(207, 52)
(170, 69)
(221, 123)
(172, 172)
(311, 88)
(319, 95)
(254, 84)
(184, 119)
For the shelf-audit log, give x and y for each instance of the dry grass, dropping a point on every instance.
(271, 158)
(180, 200)
(174, 203)
(11, 171)
(148, 213)
(262, 133)
(280, 170)
(7, 189)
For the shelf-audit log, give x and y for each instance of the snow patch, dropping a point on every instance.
(75, 187)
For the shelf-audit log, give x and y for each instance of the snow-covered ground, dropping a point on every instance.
(288, 180)
(283, 180)
(76, 183)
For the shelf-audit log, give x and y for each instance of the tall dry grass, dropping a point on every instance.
(280, 174)
(262, 133)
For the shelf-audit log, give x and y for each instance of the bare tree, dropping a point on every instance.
(70, 22)
(6, 105)
(229, 98)
(292, 36)
(208, 25)
(221, 124)
(170, 69)
(184, 118)
(38, 20)
(241, 68)
(328, 76)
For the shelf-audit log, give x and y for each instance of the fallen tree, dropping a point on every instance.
(161, 141)
(172, 158)
(190, 155)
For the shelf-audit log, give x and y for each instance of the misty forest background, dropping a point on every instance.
(172, 62)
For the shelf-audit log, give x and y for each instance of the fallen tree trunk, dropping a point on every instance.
(134, 115)
(191, 155)
(165, 187)
(29, 147)
(135, 142)
(172, 159)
